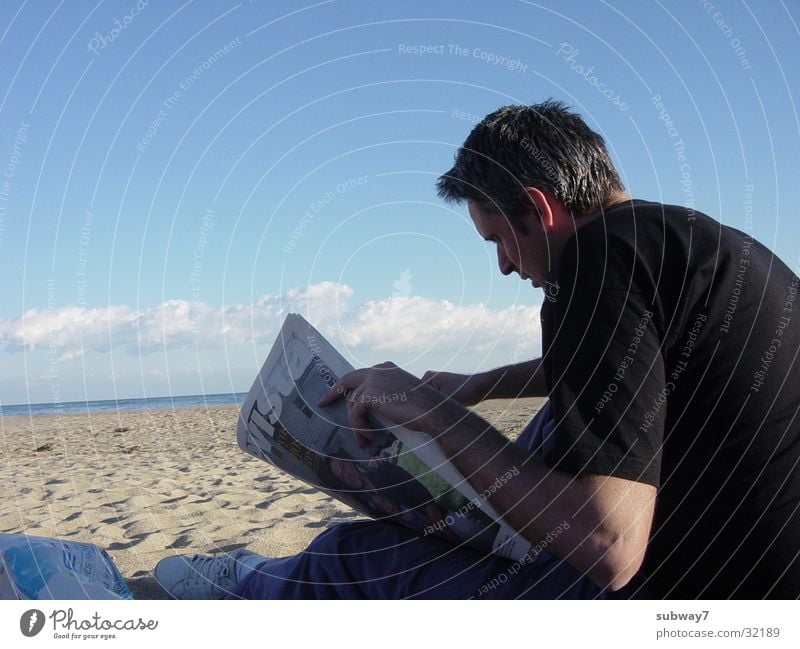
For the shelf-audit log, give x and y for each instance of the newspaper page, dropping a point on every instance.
(401, 476)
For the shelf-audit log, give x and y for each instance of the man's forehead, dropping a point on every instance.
(480, 218)
(486, 223)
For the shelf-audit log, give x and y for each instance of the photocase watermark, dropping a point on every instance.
(551, 290)
(476, 502)
(744, 262)
(8, 173)
(402, 285)
(330, 379)
(569, 54)
(206, 226)
(727, 30)
(457, 113)
(323, 370)
(775, 344)
(625, 363)
(490, 58)
(680, 153)
(170, 102)
(31, 622)
(53, 328)
(420, 50)
(320, 204)
(503, 577)
(671, 385)
(102, 41)
(67, 627)
(381, 398)
(83, 257)
(454, 49)
(691, 340)
(533, 151)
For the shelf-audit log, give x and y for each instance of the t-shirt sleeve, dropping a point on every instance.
(604, 365)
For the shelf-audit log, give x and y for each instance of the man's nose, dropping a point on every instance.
(506, 267)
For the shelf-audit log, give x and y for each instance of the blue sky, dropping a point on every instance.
(176, 176)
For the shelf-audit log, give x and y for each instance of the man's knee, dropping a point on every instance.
(358, 538)
(333, 540)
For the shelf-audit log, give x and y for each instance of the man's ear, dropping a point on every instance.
(545, 204)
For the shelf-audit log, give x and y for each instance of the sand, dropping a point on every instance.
(148, 484)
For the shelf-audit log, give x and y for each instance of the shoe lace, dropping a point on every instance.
(210, 573)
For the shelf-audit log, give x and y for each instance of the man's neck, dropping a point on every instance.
(614, 199)
(576, 223)
(619, 197)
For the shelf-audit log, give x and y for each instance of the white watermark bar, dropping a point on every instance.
(621, 624)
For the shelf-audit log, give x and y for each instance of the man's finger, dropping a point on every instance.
(361, 440)
(357, 411)
(341, 387)
(338, 390)
(432, 379)
(358, 420)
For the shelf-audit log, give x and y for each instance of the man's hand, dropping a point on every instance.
(467, 389)
(393, 394)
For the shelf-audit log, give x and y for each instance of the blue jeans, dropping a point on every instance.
(378, 560)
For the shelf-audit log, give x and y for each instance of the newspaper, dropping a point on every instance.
(402, 476)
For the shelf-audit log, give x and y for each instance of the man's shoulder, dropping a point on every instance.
(646, 213)
(636, 222)
(633, 238)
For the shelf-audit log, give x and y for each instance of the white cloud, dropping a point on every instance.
(67, 331)
(400, 325)
(418, 324)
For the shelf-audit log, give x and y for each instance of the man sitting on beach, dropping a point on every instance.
(666, 461)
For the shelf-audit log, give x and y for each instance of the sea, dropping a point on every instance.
(148, 403)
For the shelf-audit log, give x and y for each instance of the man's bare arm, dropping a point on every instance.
(508, 382)
(608, 518)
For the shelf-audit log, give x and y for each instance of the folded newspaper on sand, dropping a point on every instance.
(401, 476)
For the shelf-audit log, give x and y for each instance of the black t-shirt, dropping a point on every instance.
(671, 356)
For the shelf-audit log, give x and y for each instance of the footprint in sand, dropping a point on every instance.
(112, 520)
(183, 541)
(173, 500)
(292, 514)
(126, 545)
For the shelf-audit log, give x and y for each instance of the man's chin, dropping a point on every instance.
(533, 281)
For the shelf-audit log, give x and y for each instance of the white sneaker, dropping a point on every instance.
(201, 576)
